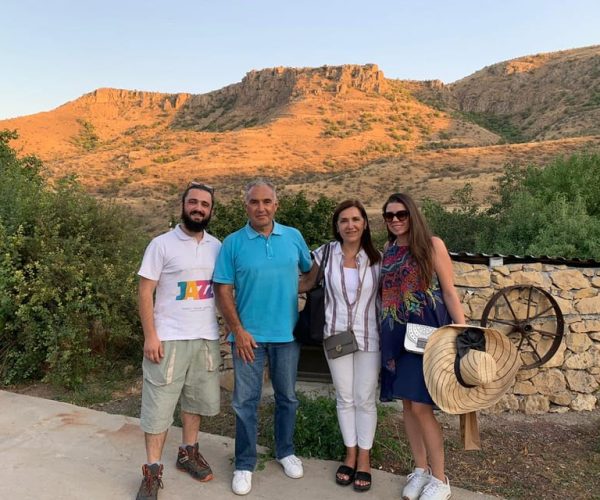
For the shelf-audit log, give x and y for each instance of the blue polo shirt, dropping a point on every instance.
(264, 273)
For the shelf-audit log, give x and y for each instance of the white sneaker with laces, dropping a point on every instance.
(415, 482)
(242, 482)
(436, 490)
(292, 466)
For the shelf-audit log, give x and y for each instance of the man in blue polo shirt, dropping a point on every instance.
(261, 262)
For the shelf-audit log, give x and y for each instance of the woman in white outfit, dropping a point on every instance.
(351, 302)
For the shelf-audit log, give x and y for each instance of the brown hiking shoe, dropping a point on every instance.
(191, 461)
(151, 482)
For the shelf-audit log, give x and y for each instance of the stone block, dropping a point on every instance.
(473, 279)
(528, 278)
(533, 405)
(500, 281)
(533, 266)
(596, 282)
(580, 361)
(508, 402)
(549, 382)
(592, 325)
(477, 305)
(527, 374)
(588, 306)
(565, 305)
(227, 380)
(585, 293)
(569, 279)
(578, 342)
(524, 388)
(558, 358)
(584, 402)
(227, 362)
(595, 336)
(581, 381)
(503, 270)
(558, 409)
(563, 398)
(577, 325)
(464, 267)
(547, 268)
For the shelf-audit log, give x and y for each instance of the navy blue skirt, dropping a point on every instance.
(402, 371)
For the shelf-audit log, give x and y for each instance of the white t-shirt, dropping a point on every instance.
(184, 305)
(352, 280)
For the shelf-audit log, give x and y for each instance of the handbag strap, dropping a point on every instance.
(321, 273)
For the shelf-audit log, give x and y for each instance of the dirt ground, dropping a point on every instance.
(550, 456)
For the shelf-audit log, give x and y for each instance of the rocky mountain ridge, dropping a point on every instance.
(543, 96)
(344, 129)
(263, 95)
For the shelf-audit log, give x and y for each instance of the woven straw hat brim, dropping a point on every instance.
(441, 381)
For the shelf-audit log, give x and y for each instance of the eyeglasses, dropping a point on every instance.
(401, 215)
(201, 185)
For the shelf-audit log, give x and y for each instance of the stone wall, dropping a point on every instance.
(570, 380)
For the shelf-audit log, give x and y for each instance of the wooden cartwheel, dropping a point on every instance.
(531, 318)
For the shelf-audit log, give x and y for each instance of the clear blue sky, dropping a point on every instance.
(53, 51)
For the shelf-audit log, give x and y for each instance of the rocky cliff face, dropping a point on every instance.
(545, 96)
(119, 102)
(263, 95)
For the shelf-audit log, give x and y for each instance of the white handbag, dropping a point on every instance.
(417, 336)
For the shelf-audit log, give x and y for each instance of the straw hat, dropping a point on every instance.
(487, 374)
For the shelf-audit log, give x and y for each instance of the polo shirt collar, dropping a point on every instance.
(252, 233)
(183, 236)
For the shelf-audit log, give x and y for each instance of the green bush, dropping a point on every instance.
(67, 277)
(317, 433)
(552, 210)
(87, 138)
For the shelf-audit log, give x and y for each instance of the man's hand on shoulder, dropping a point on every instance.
(153, 349)
(245, 345)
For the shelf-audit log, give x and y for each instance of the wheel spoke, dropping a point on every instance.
(503, 322)
(509, 306)
(542, 313)
(529, 302)
(546, 333)
(534, 349)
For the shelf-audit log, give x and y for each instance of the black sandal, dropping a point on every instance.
(346, 471)
(364, 477)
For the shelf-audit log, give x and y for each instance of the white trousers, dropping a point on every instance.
(355, 379)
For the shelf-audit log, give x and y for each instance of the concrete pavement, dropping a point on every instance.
(51, 450)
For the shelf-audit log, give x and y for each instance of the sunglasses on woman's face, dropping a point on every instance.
(401, 215)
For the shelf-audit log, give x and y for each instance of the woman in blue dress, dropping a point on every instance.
(417, 286)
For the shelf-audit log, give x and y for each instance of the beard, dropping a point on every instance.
(192, 225)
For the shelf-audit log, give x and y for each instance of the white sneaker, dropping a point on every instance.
(292, 466)
(242, 482)
(436, 490)
(415, 482)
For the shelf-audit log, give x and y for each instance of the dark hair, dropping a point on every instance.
(419, 235)
(365, 240)
(203, 187)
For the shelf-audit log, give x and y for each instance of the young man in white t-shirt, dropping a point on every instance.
(181, 338)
